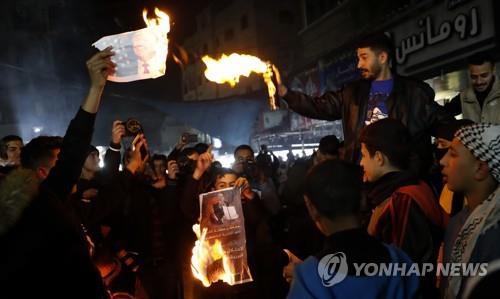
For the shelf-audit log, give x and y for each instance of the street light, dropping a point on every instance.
(217, 142)
(37, 130)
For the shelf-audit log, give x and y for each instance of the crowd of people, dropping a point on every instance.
(387, 193)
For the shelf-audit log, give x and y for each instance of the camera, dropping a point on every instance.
(189, 138)
(132, 127)
(186, 165)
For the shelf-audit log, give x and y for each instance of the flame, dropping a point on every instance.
(229, 69)
(161, 22)
(158, 28)
(209, 263)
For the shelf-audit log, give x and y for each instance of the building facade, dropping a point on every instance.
(432, 39)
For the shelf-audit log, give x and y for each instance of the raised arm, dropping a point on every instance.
(78, 136)
(327, 106)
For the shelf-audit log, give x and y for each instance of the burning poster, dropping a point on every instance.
(220, 251)
(140, 54)
(229, 69)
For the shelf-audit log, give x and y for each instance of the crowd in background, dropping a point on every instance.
(69, 229)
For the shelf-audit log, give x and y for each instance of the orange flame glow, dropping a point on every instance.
(161, 22)
(229, 69)
(158, 28)
(209, 263)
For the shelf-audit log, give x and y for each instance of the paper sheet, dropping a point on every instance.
(140, 54)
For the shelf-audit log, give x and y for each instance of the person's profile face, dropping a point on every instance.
(369, 164)
(458, 166)
(92, 161)
(43, 171)
(369, 63)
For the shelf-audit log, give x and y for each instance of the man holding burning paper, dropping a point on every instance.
(380, 94)
(233, 244)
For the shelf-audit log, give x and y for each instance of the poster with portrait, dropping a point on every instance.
(221, 214)
(140, 54)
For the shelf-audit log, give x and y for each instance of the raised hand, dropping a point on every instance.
(100, 67)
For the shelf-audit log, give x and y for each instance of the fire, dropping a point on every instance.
(229, 69)
(158, 28)
(209, 263)
(161, 22)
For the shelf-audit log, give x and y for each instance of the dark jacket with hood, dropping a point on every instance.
(407, 214)
(411, 102)
(43, 249)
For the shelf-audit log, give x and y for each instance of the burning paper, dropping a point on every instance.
(140, 54)
(220, 251)
(229, 69)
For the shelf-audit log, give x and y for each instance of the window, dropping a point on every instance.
(229, 34)
(244, 22)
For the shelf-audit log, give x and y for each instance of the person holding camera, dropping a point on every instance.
(245, 165)
(145, 221)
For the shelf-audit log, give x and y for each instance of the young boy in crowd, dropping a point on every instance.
(43, 247)
(472, 166)
(405, 212)
(451, 202)
(264, 258)
(333, 195)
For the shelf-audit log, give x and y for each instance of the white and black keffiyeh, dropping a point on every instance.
(483, 140)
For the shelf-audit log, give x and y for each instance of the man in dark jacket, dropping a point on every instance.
(144, 220)
(90, 207)
(405, 212)
(43, 249)
(380, 94)
(265, 259)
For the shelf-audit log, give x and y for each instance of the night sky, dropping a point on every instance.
(49, 43)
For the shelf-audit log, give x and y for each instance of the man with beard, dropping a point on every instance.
(381, 93)
(481, 101)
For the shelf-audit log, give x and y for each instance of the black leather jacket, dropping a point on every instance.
(411, 101)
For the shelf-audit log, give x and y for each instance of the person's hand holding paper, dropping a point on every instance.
(140, 54)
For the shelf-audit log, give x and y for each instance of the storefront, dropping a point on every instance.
(434, 45)
(431, 44)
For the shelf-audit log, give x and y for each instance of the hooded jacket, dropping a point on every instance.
(411, 102)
